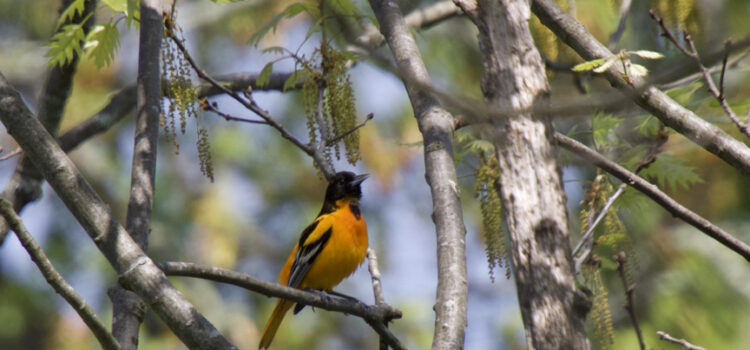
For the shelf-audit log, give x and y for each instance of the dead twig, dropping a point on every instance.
(691, 52)
(629, 289)
(685, 344)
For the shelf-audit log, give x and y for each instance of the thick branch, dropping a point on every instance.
(532, 195)
(378, 314)
(672, 114)
(653, 192)
(436, 126)
(25, 184)
(56, 280)
(127, 320)
(137, 272)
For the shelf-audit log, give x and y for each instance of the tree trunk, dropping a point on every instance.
(530, 185)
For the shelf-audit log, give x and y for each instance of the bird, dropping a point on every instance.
(329, 249)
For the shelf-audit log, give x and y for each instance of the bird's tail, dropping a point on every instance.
(282, 306)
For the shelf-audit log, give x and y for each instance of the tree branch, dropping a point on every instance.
(25, 184)
(420, 18)
(684, 343)
(247, 101)
(672, 114)
(338, 138)
(373, 315)
(377, 288)
(436, 125)
(653, 192)
(136, 271)
(586, 242)
(58, 283)
(614, 38)
(126, 317)
(691, 52)
(629, 289)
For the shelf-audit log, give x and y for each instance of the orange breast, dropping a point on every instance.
(344, 252)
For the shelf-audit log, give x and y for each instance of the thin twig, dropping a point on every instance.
(653, 192)
(685, 344)
(617, 34)
(671, 113)
(629, 289)
(338, 138)
(133, 266)
(248, 102)
(586, 241)
(15, 152)
(377, 287)
(375, 315)
(56, 280)
(724, 68)
(214, 107)
(691, 52)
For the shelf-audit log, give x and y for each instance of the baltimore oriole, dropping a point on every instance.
(329, 250)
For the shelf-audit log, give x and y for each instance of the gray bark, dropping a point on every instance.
(651, 99)
(531, 190)
(136, 270)
(128, 308)
(25, 184)
(436, 126)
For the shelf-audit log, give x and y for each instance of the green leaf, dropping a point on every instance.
(274, 49)
(133, 12)
(480, 146)
(102, 43)
(265, 76)
(75, 8)
(603, 129)
(647, 125)
(607, 63)
(314, 28)
(117, 5)
(289, 12)
(299, 7)
(637, 70)
(671, 171)
(65, 44)
(588, 65)
(342, 7)
(291, 82)
(265, 28)
(649, 55)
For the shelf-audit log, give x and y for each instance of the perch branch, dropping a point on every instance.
(133, 266)
(373, 315)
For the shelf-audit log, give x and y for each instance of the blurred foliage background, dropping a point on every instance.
(265, 190)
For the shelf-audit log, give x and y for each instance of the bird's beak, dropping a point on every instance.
(358, 179)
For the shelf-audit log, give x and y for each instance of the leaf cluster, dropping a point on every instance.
(101, 42)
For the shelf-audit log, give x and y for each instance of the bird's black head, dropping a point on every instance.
(344, 185)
